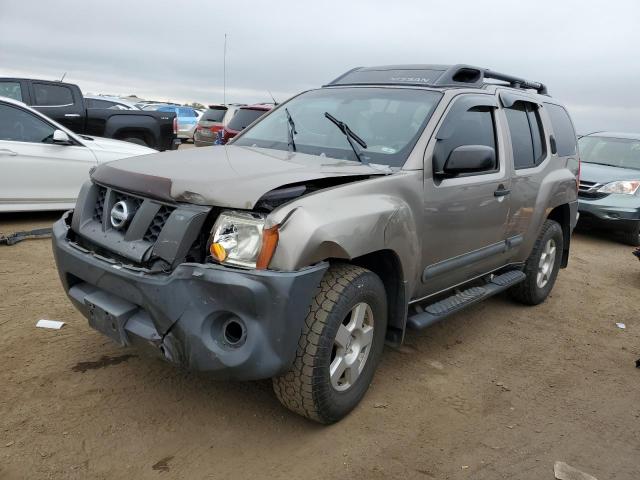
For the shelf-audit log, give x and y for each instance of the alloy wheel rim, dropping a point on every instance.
(547, 261)
(351, 347)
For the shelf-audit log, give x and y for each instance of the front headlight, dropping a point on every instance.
(239, 238)
(629, 187)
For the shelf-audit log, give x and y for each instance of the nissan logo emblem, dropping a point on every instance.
(121, 213)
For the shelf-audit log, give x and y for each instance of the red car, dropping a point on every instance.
(242, 119)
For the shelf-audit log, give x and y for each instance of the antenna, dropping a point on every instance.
(63, 75)
(224, 72)
(272, 97)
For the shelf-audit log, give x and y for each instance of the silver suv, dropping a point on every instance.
(388, 199)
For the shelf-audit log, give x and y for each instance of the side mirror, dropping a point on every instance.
(470, 158)
(61, 138)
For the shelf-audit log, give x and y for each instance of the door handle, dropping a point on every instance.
(501, 191)
(71, 114)
(10, 153)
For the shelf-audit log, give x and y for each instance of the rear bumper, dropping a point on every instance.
(614, 211)
(182, 316)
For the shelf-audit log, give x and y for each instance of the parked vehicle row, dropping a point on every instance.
(389, 199)
(43, 164)
(64, 103)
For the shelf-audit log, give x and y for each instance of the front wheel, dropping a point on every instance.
(542, 266)
(340, 346)
(632, 237)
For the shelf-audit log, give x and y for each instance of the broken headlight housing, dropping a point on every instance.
(628, 187)
(240, 239)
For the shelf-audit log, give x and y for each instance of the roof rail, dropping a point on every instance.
(516, 82)
(432, 75)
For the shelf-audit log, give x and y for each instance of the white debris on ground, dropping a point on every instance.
(54, 324)
(567, 472)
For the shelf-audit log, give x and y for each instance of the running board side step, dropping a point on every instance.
(448, 306)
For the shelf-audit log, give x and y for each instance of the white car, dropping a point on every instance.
(43, 164)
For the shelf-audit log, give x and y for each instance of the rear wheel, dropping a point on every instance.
(632, 237)
(340, 346)
(542, 266)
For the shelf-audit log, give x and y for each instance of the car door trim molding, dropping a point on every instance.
(466, 259)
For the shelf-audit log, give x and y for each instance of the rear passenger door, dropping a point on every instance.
(530, 158)
(463, 232)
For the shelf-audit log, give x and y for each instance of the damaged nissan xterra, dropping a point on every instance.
(389, 199)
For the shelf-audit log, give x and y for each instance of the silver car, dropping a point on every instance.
(212, 122)
(389, 199)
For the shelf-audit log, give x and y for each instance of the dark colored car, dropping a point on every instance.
(244, 117)
(609, 195)
(64, 103)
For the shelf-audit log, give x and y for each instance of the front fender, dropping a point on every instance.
(349, 221)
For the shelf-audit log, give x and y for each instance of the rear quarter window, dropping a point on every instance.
(214, 115)
(563, 131)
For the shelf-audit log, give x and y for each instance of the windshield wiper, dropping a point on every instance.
(291, 130)
(344, 128)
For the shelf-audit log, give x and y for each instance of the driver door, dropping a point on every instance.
(465, 215)
(35, 171)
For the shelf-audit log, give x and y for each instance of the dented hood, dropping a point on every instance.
(226, 176)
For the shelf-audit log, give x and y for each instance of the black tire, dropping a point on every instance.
(136, 140)
(307, 388)
(632, 237)
(528, 291)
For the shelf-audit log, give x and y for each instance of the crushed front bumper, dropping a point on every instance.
(185, 315)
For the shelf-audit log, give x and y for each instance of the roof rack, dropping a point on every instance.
(432, 76)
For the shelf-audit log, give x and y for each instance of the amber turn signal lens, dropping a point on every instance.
(218, 252)
(269, 243)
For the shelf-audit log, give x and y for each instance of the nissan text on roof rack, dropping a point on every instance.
(386, 200)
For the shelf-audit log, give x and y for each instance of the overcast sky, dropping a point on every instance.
(586, 52)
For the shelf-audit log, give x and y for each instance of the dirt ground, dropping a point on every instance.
(500, 391)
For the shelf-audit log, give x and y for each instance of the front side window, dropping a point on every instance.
(11, 90)
(564, 134)
(47, 95)
(464, 126)
(20, 126)
(389, 120)
(615, 152)
(525, 130)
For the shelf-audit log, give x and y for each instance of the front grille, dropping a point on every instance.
(590, 190)
(99, 207)
(136, 241)
(157, 224)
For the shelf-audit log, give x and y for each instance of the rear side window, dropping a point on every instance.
(20, 126)
(47, 95)
(563, 131)
(214, 115)
(244, 117)
(470, 127)
(11, 90)
(525, 130)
